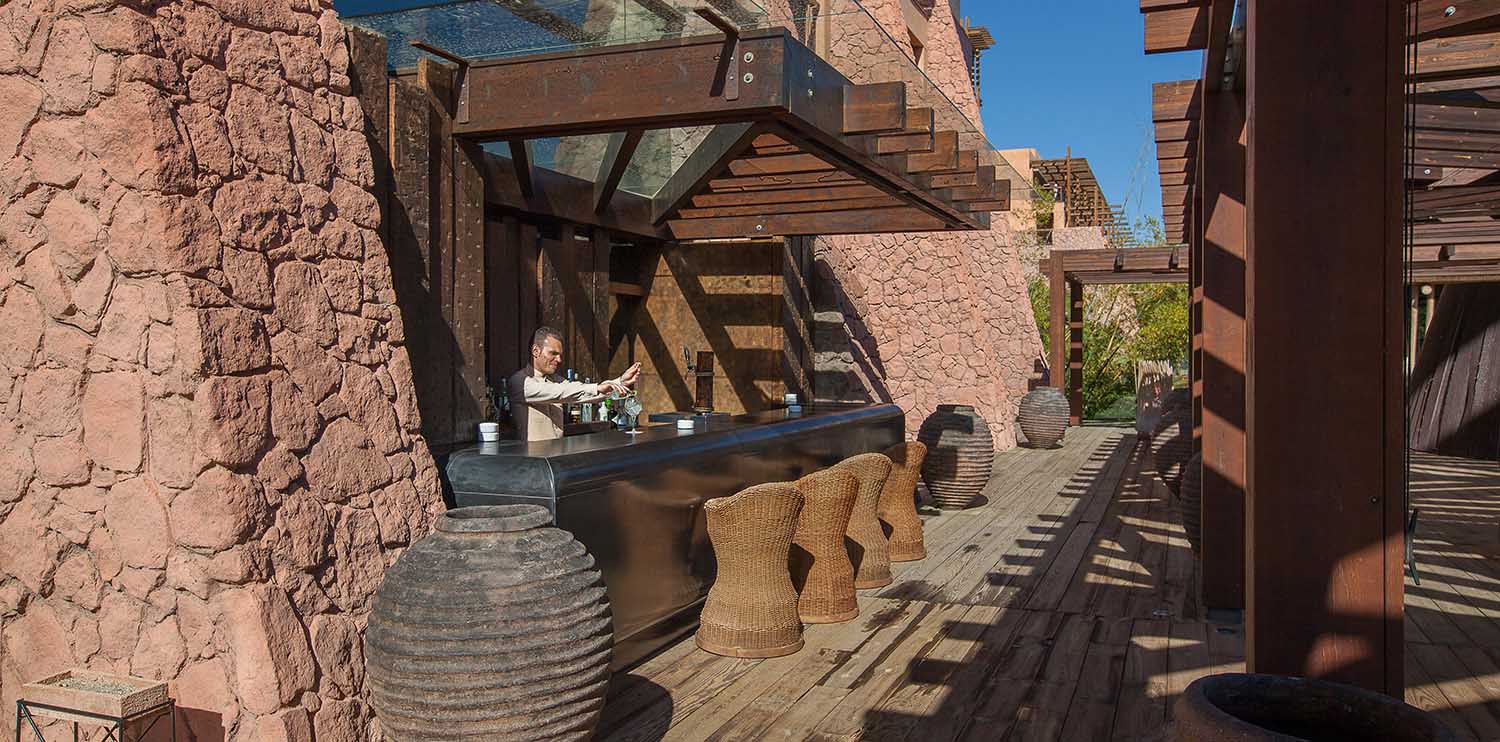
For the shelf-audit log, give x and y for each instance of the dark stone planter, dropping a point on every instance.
(495, 626)
(1043, 417)
(1236, 707)
(960, 455)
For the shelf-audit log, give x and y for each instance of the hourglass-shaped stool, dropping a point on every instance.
(751, 609)
(869, 549)
(820, 566)
(898, 502)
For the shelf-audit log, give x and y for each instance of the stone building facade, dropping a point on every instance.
(208, 446)
(925, 319)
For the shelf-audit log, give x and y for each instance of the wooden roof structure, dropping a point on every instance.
(1075, 184)
(1119, 266)
(794, 147)
(1453, 168)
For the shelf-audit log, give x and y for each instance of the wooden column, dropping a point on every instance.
(1057, 336)
(1324, 206)
(1194, 218)
(1075, 352)
(1222, 271)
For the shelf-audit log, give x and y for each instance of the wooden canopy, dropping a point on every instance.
(793, 147)
(1454, 137)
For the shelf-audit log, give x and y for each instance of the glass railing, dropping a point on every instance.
(842, 32)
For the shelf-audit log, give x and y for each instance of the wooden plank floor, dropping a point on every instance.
(1453, 607)
(1063, 609)
(1066, 609)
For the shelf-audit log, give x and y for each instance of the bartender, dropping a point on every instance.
(537, 393)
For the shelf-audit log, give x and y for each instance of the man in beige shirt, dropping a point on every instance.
(537, 394)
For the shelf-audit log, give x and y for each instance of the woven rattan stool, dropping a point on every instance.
(898, 502)
(751, 609)
(820, 566)
(869, 549)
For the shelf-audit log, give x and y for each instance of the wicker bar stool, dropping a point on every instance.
(898, 502)
(751, 609)
(869, 549)
(820, 566)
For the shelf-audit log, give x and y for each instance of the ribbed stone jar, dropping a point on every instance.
(960, 455)
(1043, 417)
(496, 627)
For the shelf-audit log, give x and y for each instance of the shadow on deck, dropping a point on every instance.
(1064, 609)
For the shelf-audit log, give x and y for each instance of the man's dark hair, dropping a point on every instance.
(542, 333)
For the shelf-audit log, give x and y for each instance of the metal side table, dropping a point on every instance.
(114, 725)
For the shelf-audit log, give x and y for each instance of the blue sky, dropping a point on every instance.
(1071, 72)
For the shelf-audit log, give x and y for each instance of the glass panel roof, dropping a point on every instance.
(842, 32)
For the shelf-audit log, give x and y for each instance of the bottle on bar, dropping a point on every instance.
(586, 410)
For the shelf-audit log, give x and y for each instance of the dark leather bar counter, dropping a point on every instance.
(636, 501)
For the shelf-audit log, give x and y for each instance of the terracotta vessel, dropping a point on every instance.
(1043, 417)
(821, 571)
(960, 455)
(1237, 707)
(751, 610)
(898, 502)
(495, 626)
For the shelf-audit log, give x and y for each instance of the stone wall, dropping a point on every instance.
(923, 319)
(208, 447)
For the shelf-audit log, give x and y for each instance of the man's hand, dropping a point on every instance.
(612, 387)
(631, 374)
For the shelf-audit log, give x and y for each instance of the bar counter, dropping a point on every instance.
(636, 501)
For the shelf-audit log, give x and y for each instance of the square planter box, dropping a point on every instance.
(117, 696)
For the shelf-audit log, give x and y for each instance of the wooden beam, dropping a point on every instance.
(1176, 131)
(1075, 352)
(920, 121)
(1176, 30)
(877, 108)
(1222, 550)
(779, 165)
(520, 157)
(1176, 101)
(1434, 20)
(881, 201)
(568, 198)
(719, 147)
(895, 144)
(718, 20)
(944, 154)
(1057, 314)
(864, 221)
(1216, 46)
(786, 196)
(1325, 601)
(617, 157)
(1458, 58)
(781, 181)
(1173, 165)
(621, 288)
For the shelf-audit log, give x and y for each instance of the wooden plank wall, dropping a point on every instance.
(472, 285)
(1454, 402)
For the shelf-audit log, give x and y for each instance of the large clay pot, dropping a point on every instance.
(1043, 417)
(495, 626)
(1236, 707)
(960, 455)
(1190, 501)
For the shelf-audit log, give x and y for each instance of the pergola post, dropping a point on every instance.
(1324, 393)
(1075, 352)
(1222, 320)
(1057, 317)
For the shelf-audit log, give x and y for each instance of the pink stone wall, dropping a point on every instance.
(208, 446)
(923, 319)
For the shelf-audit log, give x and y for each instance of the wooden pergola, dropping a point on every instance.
(793, 147)
(1068, 271)
(1288, 188)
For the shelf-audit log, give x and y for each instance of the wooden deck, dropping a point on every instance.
(1064, 609)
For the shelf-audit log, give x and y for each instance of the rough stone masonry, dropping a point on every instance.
(208, 444)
